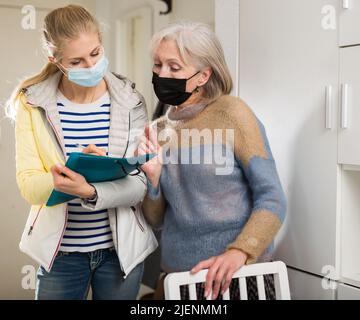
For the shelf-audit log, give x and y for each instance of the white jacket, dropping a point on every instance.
(40, 145)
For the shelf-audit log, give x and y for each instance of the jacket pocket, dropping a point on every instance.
(34, 221)
(137, 219)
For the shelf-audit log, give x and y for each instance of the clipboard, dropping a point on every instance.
(98, 169)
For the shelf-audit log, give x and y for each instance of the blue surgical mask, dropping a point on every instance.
(89, 77)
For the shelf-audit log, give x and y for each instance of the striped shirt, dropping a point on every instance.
(85, 124)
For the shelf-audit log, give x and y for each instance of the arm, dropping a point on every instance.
(34, 182)
(130, 190)
(253, 152)
(154, 206)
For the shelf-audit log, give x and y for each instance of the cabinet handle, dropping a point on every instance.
(344, 106)
(328, 107)
(346, 4)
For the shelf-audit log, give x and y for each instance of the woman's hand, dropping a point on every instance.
(149, 144)
(93, 149)
(70, 182)
(221, 269)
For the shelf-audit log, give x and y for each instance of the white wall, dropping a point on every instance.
(199, 10)
(111, 12)
(21, 58)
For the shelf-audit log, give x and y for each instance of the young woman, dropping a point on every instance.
(216, 215)
(101, 239)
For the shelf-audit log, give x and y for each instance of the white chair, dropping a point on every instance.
(173, 281)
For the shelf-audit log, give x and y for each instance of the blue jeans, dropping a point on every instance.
(73, 274)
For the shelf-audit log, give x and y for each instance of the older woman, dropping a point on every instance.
(214, 188)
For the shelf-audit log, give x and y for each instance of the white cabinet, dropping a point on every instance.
(349, 151)
(349, 18)
(304, 286)
(346, 292)
(305, 88)
(287, 60)
(350, 228)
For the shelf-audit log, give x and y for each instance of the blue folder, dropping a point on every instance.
(98, 169)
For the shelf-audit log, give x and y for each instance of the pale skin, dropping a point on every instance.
(82, 52)
(168, 63)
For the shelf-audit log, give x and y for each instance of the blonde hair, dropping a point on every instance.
(199, 46)
(60, 25)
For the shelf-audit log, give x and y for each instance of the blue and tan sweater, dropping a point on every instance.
(215, 194)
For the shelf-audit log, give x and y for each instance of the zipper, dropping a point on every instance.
(66, 207)
(117, 242)
(127, 143)
(33, 224)
(62, 234)
(137, 219)
(56, 134)
(52, 125)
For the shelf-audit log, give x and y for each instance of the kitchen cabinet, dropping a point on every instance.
(349, 131)
(346, 292)
(349, 22)
(302, 80)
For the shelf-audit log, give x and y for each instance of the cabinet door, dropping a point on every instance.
(287, 60)
(349, 227)
(304, 286)
(346, 292)
(349, 18)
(349, 151)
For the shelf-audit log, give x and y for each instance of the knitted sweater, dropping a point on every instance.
(215, 194)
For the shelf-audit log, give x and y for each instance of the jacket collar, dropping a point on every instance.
(121, 89)
(123, 96)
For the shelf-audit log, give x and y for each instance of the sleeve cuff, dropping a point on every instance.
(90, 203)
(257, 235)
(153, 193)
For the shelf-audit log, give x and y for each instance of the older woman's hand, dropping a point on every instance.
(221, 269)
(149, 144)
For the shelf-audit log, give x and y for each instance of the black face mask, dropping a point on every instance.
(170, 90)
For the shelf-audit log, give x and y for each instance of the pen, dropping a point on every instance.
(80, 145)
(83, 146)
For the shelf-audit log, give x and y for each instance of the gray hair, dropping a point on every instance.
(199, 46)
